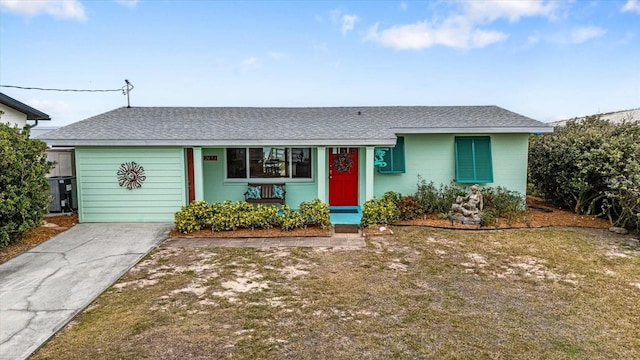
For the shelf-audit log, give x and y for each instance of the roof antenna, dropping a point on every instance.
(126, 90)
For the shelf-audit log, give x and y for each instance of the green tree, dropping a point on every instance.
(23, 185)
(591, 166)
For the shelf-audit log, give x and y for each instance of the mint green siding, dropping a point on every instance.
(432, 156)
(217, 188)
(101, 199)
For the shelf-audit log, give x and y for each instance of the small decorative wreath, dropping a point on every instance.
(131, 175)
(343, 163)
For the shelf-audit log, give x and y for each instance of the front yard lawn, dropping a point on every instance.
(424, 293)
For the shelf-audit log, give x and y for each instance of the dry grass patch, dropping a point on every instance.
(423, 293)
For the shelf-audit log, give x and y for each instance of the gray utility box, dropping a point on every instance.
(63, 192)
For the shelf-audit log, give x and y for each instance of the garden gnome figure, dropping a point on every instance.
(468, 209)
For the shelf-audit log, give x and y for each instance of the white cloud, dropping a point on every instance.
(247, 65)
(632, 6)
(482, 38)
(128, 3)
(348, 23)
(577, 35)
(455, 32)
(585, 33)
(462, 30)
(59, 9)
(508, 9)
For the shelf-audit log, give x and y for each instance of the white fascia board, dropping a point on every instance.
(473, 130)
(225, 143)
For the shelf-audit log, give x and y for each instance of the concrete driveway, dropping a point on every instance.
(42, 289)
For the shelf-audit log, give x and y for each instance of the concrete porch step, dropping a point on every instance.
(346, 228)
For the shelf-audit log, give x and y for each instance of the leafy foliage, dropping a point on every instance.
(230, 215)
(437, 201)
(193, 217)
(380, 211)
(591, 166)
(501, 203)
(23, 185)
(506, 203)
(291, 219)
(409, 208)
(316, 213)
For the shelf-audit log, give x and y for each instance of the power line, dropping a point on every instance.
(72, 90)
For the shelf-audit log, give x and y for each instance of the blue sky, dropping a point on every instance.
(548, 60)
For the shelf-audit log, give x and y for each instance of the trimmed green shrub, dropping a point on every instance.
(230, 215)
(194, 217)
(264, 217)
(291, 219)
(316, 213)
(23, 185)
(392, 196)
(380, 211)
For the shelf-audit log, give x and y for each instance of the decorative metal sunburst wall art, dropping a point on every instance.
(131, 175)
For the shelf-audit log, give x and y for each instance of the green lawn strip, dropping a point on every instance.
(424, 293)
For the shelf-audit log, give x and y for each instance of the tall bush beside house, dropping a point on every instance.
(590, 166)
(23, 185)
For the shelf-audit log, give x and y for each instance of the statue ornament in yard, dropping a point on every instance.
(468, 209)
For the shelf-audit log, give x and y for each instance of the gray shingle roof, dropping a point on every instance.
(331, 126)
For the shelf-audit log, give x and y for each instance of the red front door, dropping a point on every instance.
(191, 188)
(343, 176)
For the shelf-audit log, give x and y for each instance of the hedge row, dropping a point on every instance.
(231, 215)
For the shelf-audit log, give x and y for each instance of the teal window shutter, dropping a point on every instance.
(390, 160)
(473, 159)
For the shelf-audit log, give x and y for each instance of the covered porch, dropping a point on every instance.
(342, 177)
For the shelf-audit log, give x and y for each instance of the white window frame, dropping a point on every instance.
(268, 180)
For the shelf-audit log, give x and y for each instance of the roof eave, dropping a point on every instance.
(475, 130)
(32, 114)
(222, 143)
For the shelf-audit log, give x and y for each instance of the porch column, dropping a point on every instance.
(368, 173)
(321, 171)
(198, 180)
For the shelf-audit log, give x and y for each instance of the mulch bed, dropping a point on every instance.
(248, 233)
(53, 225)
(539, 214)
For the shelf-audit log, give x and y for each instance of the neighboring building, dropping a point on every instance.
(17, 113)
(615, 117)
(62, 157)
(144, 163)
